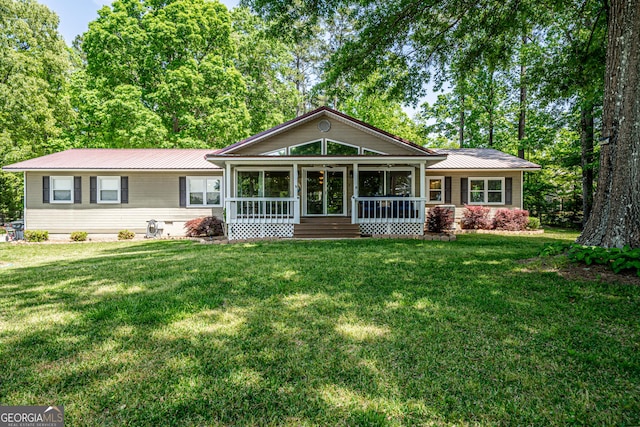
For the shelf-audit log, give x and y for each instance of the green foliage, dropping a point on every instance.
(162, 73)
(36, 235)
(79, 236)
(126, 235)
(533, 223)
(35, 109)
(3, 230)
(553, 249)
(617, 259)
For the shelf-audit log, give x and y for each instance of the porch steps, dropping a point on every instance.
(326, 227)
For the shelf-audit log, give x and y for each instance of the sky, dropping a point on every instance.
(75, 15)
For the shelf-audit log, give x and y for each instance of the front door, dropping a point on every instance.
(324, 191)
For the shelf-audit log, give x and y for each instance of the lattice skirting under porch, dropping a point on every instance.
(256, 231)
(374, 229)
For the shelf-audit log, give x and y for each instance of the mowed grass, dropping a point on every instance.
(352, 332)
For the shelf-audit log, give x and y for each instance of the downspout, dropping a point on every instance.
(24, 200)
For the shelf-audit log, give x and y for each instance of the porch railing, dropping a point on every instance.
(387, 210)
(262, 210)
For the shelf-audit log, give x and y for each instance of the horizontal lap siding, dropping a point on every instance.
(455, 185)
(339, 131)
(152, 195)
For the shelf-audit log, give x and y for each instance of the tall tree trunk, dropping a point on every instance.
(523, 103)
(491, 106)
(615, 219)
(586, 158)
(461, 132)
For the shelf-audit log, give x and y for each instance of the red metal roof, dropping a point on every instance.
(119, 158)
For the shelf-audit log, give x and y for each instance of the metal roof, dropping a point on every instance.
(119, 159)
(480, 158)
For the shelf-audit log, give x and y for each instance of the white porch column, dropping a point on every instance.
(227, 192)
(423, 190)
(356, 192)
(296, 195)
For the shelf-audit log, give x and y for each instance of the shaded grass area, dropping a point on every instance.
(360, 332)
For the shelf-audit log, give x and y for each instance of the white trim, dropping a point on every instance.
(436, 170)
(99, 187)
(52, 178)
(324, 191)
(428, 188)
(521, 190)
(24, 200)
(486, 180)
(371, 151)
(204, 192)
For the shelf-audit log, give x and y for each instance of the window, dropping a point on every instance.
(368, 152)
(204, 191)
(61, 189)
(274, 183)
(435, 189)
(486, 191)
(340, 149)
(108, 189)
(280, 152)
(307, 149)
(374, 183)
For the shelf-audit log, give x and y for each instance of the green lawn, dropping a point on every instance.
(363, 332)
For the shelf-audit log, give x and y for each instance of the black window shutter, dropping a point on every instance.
(183, 191)
(45, 189)
(464, 190)
(93, 189)
(508, 191)
(124, 189)
(447, 189)
(77, 189)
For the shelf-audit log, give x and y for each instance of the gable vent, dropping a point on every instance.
(324, 125)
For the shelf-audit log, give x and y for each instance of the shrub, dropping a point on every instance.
(439, 219)
(79, 236)
(204, 226)
(617, 259)
(511, 220)
(36, 235)
(475, 218)
(126, 235)
(2, 230)
(534, 223)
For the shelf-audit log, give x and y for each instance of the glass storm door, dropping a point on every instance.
(324, 192)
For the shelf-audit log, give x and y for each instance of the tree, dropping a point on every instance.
(35, 108)
(264, 62)
(168, 63)
(615, 221)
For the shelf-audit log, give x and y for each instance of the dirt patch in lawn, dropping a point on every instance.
(580, 272)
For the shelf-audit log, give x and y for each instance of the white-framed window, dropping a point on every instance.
(275, 182)
(322, 147)
(108, 189)
(61, 189)
(204, 191)
(385, 182)
(486, 191)
(435, 189)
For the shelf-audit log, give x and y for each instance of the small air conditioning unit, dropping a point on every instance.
(154, 229)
